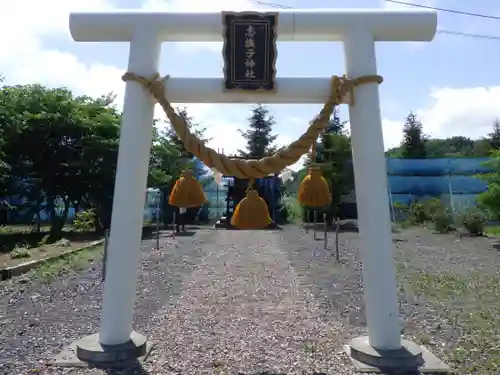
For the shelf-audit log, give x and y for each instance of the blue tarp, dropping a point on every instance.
(454, 179)
(435, 167)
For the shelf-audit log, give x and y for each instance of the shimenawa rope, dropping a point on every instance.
(251, 169)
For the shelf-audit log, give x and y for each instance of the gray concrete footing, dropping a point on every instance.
(410, 357)
(89, 352)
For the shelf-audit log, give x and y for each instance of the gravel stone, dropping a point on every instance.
(230, 302)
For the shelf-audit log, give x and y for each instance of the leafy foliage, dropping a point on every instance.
(333, 153)
(490, 199)
(494, 136)
(474, 221)
(259, 137)
(456, 146)
(84, 221)
(442, 220)
(413, 145)
(420, 212)
(58, 150)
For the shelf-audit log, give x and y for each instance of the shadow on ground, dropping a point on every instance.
(9, 240)
(345, 227)
(135, 368)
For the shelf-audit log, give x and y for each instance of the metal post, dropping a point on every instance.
(337, 231)
(315, 220)
(326, 230)
(306, 221)
(158, 223)
(105, 255)
(217, 196)
(450, 189)
(173, 226)
(273, 188)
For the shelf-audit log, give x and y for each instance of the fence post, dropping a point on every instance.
(173, 225)
(326, 230)
(337, 230)
(315, 220)
(158, 225)
(105, 255)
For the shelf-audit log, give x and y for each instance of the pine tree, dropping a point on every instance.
(335, 125)
(259, 137)
(413, 145)
(333, 152)
(495, 135)
(186, 158)
(193, 127)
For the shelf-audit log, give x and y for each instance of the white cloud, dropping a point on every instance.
(392, 133)
(452, 112)
(25, 59)
(29, 58)
(461, 111)
(198, 6)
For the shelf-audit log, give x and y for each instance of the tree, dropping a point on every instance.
(494, 136)
(335, 125)
(413, 145)
(490, 199)
(259, 137)
(457, 146)
(333, 153)
(62, 151)
(338, 169)
(98, 160)
(4, 167)
(170, 134)
(184, 157)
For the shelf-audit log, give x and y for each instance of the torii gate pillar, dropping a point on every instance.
(359, 29)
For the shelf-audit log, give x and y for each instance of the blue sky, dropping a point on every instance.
(453, 82)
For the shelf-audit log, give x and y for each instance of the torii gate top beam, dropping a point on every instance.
(294, 25)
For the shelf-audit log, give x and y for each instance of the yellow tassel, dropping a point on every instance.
(187, 192)
(251, 212)
(314, 190)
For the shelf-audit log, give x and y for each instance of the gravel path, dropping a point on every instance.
(228, 302)
(37, 321)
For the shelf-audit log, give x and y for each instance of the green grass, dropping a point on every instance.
(493, 230)
(73, 262)
(470, 306)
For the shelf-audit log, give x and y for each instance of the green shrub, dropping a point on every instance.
(63, 242)
(442, 220)
(20, 252)
(422, 211)
(84, 221)
(401, 211)
(432, 206)
(418, 214)
(474, 221)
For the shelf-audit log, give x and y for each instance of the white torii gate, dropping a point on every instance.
(358, 29)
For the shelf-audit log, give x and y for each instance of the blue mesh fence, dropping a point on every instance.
(454, 180)
(409, 180)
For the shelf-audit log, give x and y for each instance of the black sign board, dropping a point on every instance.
(249, 50)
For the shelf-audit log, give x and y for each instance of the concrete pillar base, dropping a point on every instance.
(410, 357)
